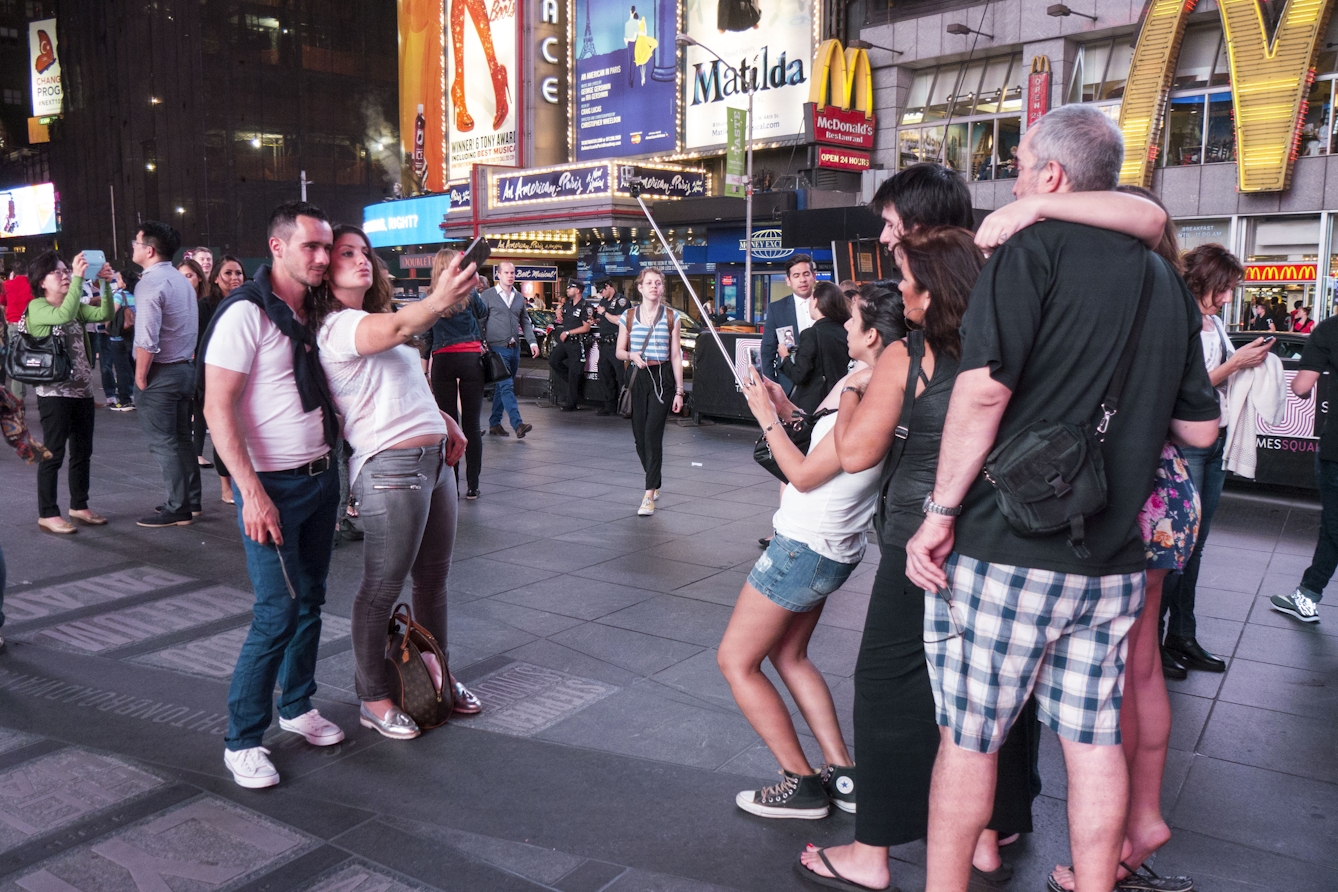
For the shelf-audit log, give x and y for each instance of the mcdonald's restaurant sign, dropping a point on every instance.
(839, 111)
(1270, 82)
(1281, 272)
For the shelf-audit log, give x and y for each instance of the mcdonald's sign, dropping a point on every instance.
(1281, 272)
(1270, 81)
(839, 111)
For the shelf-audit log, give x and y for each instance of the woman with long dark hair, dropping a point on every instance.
(896, 733)
(225, 277)
(821, 358)
(403, 450)
(66, 408)
(455, 348)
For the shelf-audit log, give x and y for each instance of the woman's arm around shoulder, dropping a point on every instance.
(1118, 211)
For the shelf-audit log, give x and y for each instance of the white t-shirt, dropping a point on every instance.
(279, 435)
(832, 518)
(801, 317)
(384, 398)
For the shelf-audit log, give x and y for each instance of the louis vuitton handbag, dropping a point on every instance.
(412, 685)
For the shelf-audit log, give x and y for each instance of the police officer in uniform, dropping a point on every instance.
(567, 358)
(609, 311)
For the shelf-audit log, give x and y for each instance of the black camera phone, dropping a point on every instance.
(477, 253)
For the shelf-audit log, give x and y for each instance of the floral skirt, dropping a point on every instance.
(1169, 520)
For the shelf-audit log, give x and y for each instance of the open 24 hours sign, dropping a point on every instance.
(842, 159)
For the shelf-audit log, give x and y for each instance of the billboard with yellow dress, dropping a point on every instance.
(422, 140)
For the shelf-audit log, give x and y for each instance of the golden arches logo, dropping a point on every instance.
(842, 77)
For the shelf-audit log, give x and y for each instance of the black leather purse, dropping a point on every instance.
(36, 360)
(1051, 476)
(800, 432)
(494, 366)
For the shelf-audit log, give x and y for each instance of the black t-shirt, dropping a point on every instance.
(575, 315)
(1321, 355)
(608, 324)
(1048, 317)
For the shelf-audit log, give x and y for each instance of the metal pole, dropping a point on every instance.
(303, 176)
(682, 274)
(748, 218)
(116, 251)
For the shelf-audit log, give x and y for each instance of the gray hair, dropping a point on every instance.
(1084, 142)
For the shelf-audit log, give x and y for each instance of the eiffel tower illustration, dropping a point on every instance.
(587, 42)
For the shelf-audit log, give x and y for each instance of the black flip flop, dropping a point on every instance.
(835, 881)
(1144, 879)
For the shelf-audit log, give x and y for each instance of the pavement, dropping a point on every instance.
(610, 750)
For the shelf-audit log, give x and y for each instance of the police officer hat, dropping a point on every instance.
(575, 283)
(601, 282)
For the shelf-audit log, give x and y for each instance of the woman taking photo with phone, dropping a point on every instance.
(818, 543)
(649, 338)
(403, 450)
(66, 408)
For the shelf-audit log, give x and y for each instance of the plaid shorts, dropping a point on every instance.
(1008, 629)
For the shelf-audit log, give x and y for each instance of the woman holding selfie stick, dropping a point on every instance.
(649, 338)
(404, 449)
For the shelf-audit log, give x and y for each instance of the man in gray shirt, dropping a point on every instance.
(167, 323)
(507, 319)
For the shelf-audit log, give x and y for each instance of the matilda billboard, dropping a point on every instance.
(768, 45)
(483, 83)
(626, 78)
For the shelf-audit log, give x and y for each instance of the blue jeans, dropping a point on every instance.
(1322, 565)
(285, 627)
(1179, 590)
(504, 392)
(114, 360)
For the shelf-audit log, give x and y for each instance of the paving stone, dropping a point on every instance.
(1309, 693)
(56, 790)
(640, 653)
(523, 700)
(153, 619)
(575, 596)
(50, 601)
(678, 619)
(542, 865)
(646, 571)
(361, 876)
(12, 740)
(215, 656)
(207, 843)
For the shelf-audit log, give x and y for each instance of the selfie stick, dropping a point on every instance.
(682, 274)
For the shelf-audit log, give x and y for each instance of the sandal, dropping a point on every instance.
(997, 877)
(465, 701)
(1145, 880)
(835, 881)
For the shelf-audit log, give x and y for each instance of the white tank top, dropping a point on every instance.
(831, 519)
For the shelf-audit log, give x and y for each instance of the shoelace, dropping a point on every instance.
(1304, 604)
(252, 758)
(781, 791)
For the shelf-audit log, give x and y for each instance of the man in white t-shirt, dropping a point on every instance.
(273, 423)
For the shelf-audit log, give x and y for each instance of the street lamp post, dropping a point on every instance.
(685, 40)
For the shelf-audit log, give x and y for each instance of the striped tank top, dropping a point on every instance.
(657, 348)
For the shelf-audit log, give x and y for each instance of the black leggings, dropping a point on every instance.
(459, 376)
(652, 398)
(64, 419)
(896, 734)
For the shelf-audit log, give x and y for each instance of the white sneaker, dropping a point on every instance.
(647, 507)
(315, 729)
(251, 768)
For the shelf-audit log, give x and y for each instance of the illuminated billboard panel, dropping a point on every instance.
(28, 210)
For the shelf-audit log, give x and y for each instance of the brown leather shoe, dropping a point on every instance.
(87, 515)
(498, 431)
(58, 525)
(523, 430)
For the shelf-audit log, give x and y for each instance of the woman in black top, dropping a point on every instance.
(224, 278)
(896, 734)
(821, 358)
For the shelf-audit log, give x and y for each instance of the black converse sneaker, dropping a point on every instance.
(796, 796)
(839, 783)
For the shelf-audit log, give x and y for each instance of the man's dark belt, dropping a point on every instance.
(177, 362)
(310, 469)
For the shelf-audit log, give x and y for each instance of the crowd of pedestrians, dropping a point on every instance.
(944, 409)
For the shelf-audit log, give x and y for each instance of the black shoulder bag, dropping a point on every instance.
(494, 367)
(34, 360)
(915, 346)
(1051, 477)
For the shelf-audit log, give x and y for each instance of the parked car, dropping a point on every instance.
(543, 322)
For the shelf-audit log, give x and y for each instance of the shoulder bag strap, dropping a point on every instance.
(1111, 404)
(915, 346)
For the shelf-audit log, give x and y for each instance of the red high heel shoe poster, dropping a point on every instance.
(481, 82)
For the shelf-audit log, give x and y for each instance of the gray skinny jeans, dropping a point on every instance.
(407, 503)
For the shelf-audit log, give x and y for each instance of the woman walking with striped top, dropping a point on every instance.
(649, 339)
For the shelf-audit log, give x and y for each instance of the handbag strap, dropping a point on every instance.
(915, 346)
(1111, 403)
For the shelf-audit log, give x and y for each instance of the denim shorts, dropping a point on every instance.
(796, 577)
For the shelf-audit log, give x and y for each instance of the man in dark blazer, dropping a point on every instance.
(787, 317)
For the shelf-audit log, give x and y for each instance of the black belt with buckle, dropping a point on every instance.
(312, 468)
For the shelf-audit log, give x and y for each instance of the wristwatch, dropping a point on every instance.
(932, 507)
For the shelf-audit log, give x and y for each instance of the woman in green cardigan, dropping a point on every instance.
(66, 408)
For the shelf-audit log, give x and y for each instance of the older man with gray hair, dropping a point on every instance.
(1007, 614)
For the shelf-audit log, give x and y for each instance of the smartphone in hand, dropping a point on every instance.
(96, 261)
(478, 252)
